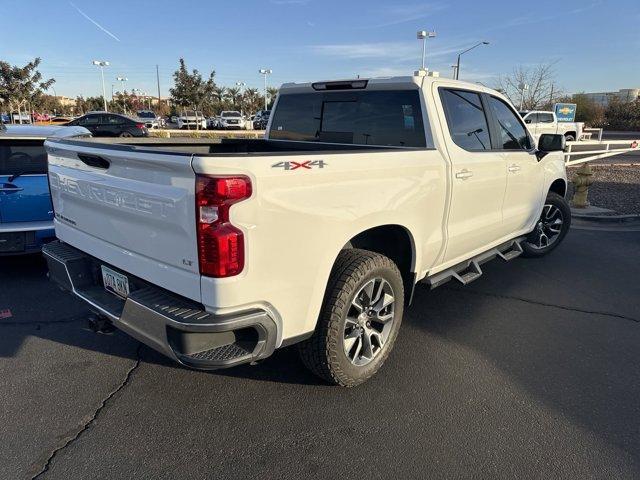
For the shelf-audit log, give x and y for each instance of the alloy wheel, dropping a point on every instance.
(369, 321)
(547, 229)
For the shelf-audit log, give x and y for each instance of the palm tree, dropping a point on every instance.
(252, 100)
(233, 93)
(272, 93)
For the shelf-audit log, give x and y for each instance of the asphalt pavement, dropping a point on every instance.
(530, 372)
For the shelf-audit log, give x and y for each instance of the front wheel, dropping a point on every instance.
(359, 320)
(570, 137)
(551, 227)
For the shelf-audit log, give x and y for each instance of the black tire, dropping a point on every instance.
(532, 247)
(324, 353)
(125, 134)
(570, 137)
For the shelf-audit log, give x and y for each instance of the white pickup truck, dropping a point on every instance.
(543, 122)
(218, 254)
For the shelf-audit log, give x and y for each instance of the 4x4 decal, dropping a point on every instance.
(307, 165)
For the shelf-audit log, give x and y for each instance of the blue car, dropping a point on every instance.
(26, 213)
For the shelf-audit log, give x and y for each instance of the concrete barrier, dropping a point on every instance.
(211, 134)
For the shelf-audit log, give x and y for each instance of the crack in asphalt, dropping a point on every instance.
(89, 422)
(45, 322)
(543, 304)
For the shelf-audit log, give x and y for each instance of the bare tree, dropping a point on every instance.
(530, 88)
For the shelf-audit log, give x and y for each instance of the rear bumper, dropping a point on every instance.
(20, 238)
(175, 326)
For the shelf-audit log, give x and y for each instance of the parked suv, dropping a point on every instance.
(26, 214)
(104, 124)
(217, 254)
(261, 120)
(231, 119)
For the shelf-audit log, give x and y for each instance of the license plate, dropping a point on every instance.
(115, 282)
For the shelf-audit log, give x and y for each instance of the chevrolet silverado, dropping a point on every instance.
(216, 254)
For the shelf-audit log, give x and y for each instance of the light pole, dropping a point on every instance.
(241, 85)
(455, 71)
(462, 53)
(265, 72)
(523, 88)
(122, 80)
(423, 35)
(102, 64)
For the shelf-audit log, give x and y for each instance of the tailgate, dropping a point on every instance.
(132, 208)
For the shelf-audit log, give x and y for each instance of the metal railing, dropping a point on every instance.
(589, 150)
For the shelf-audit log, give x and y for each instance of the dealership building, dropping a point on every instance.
(625, 95)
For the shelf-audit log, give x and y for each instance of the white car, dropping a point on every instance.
(217, 254)
(231, 119)
(541, 122)
(149, 118)
(193, 120)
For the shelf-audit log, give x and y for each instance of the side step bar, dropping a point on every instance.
(469, 270)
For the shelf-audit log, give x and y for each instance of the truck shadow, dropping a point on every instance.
(39, 309)
(582, 365)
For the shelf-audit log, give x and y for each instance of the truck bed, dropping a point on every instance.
(206, 146)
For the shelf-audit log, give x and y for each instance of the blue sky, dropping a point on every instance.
(594, 43)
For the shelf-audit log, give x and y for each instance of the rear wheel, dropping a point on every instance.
(126, 134)
(551, 227)
(359, 321)
(570, 137)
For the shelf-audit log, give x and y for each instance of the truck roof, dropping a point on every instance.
(381, 83)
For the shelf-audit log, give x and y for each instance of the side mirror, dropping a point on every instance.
(550, 143)
(527, 121)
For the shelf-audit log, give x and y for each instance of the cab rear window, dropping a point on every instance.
(380, 118)
(22, 157)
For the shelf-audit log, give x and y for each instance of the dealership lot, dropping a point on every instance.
(530, 371)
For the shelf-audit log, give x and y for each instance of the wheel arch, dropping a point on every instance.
(559, 186)
(395, 242)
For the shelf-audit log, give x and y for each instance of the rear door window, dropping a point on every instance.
(380, 118)
(22, 157)
(466, 119)
(545, 117)
(513, 135)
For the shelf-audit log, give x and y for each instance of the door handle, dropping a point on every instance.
(464, 174)
(11, 189)
(514, 168)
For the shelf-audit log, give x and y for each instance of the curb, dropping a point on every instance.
(606, 218)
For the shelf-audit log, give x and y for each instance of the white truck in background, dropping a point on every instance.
(216, 254)
(541, 122)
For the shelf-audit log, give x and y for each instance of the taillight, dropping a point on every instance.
(141, 126)
(220, 244)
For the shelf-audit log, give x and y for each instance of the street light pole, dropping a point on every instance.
(240, 85)
(122, 80)
(265, 72)
(102, 64)
(523, 87)
(423, 35)
(462, 53)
